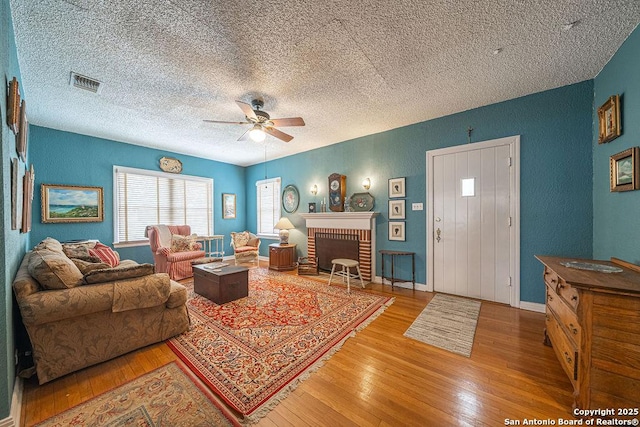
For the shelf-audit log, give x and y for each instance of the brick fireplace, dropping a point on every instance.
(352, 226)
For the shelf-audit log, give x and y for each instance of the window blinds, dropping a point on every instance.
(268, 205)
(143, 197)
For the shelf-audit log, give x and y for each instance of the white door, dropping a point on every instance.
(471, 235)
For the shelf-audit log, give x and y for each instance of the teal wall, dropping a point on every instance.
(72, 159)
(555, 183)
(616, 224)
(14, 243)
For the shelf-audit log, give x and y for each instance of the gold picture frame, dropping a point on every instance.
(623, 174)
(71, 203)
(609, 127)
(228, 206)
(13, 106)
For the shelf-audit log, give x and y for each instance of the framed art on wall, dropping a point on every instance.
(13, 106)
(396, 187)
(290, 199)
(27, 199)
(23, 133)
(228, 206)
(396, 230)
(14, 194)
(397, 209)
(71, 203)
(623, 170)
(609, 120)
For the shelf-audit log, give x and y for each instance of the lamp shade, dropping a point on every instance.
(284, 225)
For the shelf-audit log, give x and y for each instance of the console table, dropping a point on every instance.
(393, 255)
(593, 325)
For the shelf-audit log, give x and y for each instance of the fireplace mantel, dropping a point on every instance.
(341, 220)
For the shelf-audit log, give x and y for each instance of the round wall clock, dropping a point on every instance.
(290, 199)
(169, 164)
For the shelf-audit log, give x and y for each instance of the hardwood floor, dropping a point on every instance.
(379, 377)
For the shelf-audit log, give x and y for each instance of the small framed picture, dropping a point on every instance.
(396, 187)
(396, 230)
(228, 206)
(23, 133)
(13, 106)
(609, 120)
(312, 207)
(397, 209)
(623, 174)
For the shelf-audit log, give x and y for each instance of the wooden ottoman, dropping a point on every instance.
(221, 285)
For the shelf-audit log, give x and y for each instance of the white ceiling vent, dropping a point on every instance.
(84, 82)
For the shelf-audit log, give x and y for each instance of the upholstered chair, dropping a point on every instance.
(246, 246)
(174, 248)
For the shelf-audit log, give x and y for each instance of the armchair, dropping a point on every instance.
(173, 250)
(246, 246)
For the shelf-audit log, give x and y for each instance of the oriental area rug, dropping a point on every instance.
(447, 322)
(164, 397)
(254, 351)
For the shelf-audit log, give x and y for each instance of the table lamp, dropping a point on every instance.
(284, 225)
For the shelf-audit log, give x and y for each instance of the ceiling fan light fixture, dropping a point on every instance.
(257, 134)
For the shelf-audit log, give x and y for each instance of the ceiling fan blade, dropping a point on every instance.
(245, 136)
(290, 121)
(226, 123)
(247, 110)
(278, 134)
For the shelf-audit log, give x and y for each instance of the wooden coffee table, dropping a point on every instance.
(221, 285)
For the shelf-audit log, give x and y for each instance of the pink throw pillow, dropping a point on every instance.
(106, 254)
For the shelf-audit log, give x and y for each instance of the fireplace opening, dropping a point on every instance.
(336, 245)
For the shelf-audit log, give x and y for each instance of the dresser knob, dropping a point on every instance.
(574, 298)
(573, 329)
(549, 297)
(567, 357)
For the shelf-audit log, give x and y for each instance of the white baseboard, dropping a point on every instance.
(532, 306)
(13, 420)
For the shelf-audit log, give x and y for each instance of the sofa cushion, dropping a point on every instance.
(87, 266)
(183, 243)
(121, 272)
(142, 292)
(49, 244)
(106, 254)
(53, 270)
(177, 296)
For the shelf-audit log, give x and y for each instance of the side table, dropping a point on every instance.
(393, 255)
(282, 257)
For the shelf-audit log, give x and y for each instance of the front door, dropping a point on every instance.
(471, 216)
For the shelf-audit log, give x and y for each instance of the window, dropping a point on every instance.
(143, 197)
(268, 206)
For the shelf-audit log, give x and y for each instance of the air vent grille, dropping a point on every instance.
(86, 83)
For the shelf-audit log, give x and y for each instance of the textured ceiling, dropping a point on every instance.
(349, 68)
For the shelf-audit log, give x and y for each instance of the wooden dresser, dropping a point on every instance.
(593, 324)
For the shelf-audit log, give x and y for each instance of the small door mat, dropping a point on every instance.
(448, 322)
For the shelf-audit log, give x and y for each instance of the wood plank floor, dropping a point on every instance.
(379, 377)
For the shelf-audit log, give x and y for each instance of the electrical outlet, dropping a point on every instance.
(416, 206)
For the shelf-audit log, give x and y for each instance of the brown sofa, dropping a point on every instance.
(78, 321)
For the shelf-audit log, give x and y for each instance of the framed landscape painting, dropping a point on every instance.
(72, 203)
(228, 206)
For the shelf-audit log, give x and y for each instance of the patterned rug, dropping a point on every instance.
(164, 397)
(447, 322)
(253, 351)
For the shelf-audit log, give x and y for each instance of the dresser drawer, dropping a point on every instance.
(565, 350)
(568, 293)
(566, 317)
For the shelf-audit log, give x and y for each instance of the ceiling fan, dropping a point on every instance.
(262, 122)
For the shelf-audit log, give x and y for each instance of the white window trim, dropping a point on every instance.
(125, 169)
(273, 236)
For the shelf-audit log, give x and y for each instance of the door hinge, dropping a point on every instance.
(509, 221)
(508, 161)
(509, 281)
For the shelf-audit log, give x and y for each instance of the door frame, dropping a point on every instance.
(514, 207)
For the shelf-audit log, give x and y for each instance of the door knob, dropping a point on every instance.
(438, 235)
